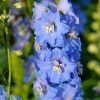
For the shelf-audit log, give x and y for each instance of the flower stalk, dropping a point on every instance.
(8, 51)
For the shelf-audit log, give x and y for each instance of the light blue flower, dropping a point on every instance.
(42, 90)
(42, 51)
(58, 66)
(56, 55)
(49, 29)
(70, 90)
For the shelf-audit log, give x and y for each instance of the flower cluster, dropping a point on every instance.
(57, 52)
(78, 11)
(3, 95)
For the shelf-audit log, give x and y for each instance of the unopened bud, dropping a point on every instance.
(3, 17)
(17, 52)
(17, 5)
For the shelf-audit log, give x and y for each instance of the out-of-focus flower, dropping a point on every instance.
(21, 32)
(15, 97)
(3, 95)
(96, 89)
(19, 45)
(21, 28)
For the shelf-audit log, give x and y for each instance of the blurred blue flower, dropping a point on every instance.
(21, 32)
(3, 94)
(21, 29)
(19, 44)
(50, 29)
(15, 97)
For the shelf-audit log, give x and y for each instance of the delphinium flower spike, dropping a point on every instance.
(57, 52)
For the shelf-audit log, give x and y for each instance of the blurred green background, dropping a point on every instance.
(90, 55)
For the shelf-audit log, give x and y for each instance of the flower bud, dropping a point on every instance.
(17, 5)
(3, 17)
(17, 52)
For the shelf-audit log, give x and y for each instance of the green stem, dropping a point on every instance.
(29, 5)
(99, 29)
(8, 56)
(8, 51)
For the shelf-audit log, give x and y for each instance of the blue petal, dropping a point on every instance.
(45, 66)
(65, 76)
(55, 77)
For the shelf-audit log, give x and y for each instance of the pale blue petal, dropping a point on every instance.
(55, 77)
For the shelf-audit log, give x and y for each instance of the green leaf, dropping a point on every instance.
(3, 57)
(19, 88)
(89, 82)
(27, 49)
(17, 69)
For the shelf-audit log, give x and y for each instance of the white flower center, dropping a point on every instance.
(49, 27)
(69, 98)
(38, 46)
(57, 66)
(22, 30)
(39, 89)
(73, 35)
